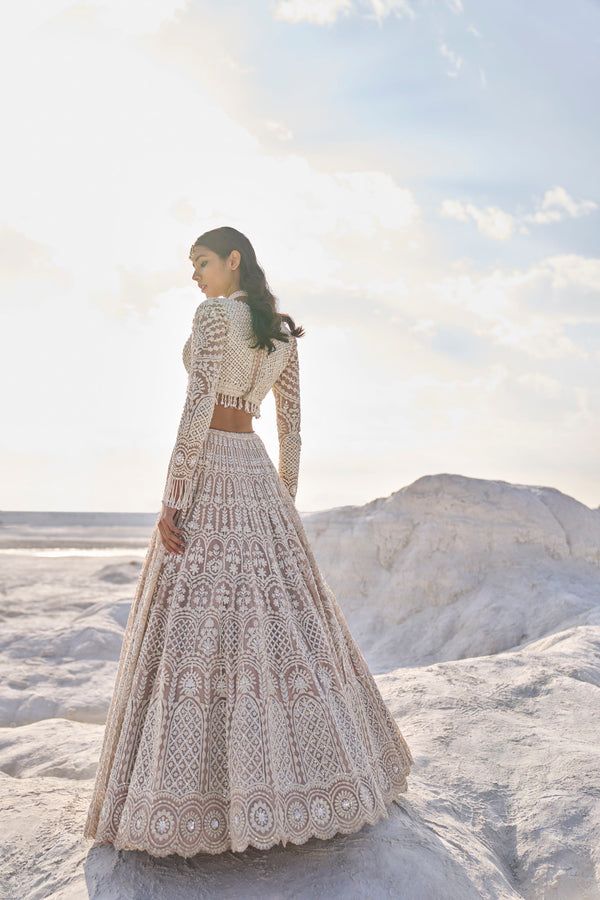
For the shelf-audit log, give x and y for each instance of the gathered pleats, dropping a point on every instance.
(243, 711)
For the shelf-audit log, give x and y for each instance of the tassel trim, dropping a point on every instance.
(178, 493)
(238, 403)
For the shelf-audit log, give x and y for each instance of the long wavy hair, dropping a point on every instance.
(266, 320)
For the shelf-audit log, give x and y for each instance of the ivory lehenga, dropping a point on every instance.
(243, 712)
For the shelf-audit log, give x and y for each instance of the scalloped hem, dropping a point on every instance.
(378, 816)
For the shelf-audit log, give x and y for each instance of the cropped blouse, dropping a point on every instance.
(222, 368)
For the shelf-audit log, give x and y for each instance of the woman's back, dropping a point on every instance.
(247, 374)
(225, 370)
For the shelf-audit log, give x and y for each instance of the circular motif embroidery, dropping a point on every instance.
(297, 815)
(215, 825)
(163, 824)
(138, 823)
(345, 804)
(366, 797)
(238, 820)
(117, 812)
(190, 824)
(320, 810)
(261, 817)
(393, 767)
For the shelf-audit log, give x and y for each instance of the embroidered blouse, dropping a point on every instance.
(222, 368)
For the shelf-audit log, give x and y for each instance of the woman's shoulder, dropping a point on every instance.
(210, 308)
(208, 304)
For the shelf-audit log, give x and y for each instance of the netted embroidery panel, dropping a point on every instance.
(224, 368)
(253, 717)
(247, 373)
(286, 391)
(208, 341)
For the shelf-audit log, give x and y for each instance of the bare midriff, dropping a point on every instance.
(228, 418)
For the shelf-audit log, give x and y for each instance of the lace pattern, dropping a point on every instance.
(286, 391)
(224, 368)
(209, 336)
(243, 712)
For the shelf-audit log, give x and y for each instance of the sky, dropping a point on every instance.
(420, 183)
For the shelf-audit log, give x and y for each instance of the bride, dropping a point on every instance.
(243, 713)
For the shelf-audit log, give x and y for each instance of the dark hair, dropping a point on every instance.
(266, 320)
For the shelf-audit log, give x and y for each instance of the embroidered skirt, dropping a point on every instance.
(243, 713)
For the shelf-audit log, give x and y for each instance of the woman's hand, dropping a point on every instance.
(170, 534)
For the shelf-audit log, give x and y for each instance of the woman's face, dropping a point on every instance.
(215, 276)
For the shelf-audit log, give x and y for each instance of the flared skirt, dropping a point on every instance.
(243, 712)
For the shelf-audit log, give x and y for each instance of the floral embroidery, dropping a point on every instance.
(320, 810)
(246, 715)
(223, 368)
(163, 823)
(189, 685)
(261, 816)
(345, 804)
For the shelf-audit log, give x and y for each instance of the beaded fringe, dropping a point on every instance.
(239, 403)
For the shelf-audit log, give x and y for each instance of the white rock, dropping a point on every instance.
(477, 601)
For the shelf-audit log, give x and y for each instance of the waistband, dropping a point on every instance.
(221, 434)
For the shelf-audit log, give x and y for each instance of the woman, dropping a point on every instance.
(243, 713)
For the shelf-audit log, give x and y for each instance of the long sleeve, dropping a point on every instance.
(208, 341)
(286, 391)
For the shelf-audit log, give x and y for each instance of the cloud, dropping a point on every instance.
(526, 311)
(111, 176)
(314, 12)
(132, 17)
(556, 205)
(327, 12)
(24, 258)
(490, 220)
(279, 131)
(495, 223)
(381, 9)
(455, 60)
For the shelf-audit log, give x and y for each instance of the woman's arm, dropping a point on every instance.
(287, 405)
(209, 337)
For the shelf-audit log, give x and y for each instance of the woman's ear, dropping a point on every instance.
(235, 258)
